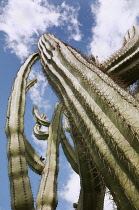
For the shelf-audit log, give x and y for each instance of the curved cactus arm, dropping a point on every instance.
(40, 135)
(30, 84)
(47, 195)
(21, 195)
(69, 152)
(38, 117)
(106, 116)
(33, 160)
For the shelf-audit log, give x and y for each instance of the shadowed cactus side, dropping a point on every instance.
(92, 185)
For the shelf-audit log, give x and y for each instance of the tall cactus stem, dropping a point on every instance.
(92, 185)
(106, 116)
(47, 195)
(21, 195)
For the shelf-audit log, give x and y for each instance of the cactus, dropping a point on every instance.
(21, 195)
(103, 119)
(47, 195)
(92, 186)
(124, 64)
(32, 158)
(105, 115)
(69, 152)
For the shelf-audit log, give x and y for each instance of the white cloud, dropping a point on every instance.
(40, 146)
(70, 18)
(71, 190)
(24, 21)
(37, 92)
(113, 19)
(108, 201)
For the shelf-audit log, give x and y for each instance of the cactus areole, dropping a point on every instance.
(103, 121)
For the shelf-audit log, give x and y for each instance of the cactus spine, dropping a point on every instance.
(106, 116)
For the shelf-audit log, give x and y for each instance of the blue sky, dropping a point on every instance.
(93, 26)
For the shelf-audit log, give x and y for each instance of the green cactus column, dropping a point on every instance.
(47, 195)
(106, 116)
(21, 195)
(92, 186)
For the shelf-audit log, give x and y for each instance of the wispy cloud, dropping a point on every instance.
(37, 92)
(113, 19)
(24, 21)
(71, 190)
(40, 146)
(70, 18)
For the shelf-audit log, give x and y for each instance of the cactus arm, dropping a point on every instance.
(69, 152)
(40, 135)
(124, 64)
(33, 159)
(21, 195)
(103, 114)
(38, 118)
(41, 120)
(47, 195)
(30, 84)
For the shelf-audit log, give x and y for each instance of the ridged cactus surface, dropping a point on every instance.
(92, 186)
(105, 115)
(47, 195)
(102, 119)
(21, 194)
